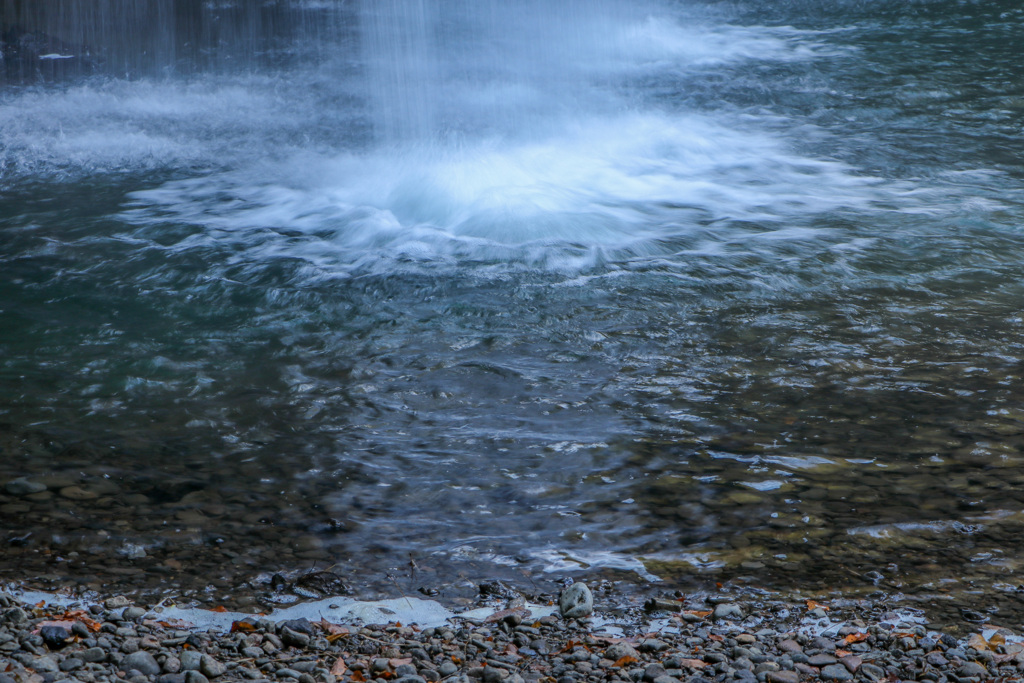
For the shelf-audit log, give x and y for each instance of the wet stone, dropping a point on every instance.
(142, 662)
(835, 672)
(782, 677)
(727, 611)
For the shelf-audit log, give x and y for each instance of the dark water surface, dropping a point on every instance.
(689, 292)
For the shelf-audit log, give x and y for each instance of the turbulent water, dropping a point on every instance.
(669, 289)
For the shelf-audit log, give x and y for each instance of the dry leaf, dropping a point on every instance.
(219, 608)
(978, 642)
(996, 640)
(358, 677)
(843, 653)
(623, 661)
(700, 613)
(339, 667)
(243, 626)
(715, 637)
(811, 605)
(856, 638)
(395, 663)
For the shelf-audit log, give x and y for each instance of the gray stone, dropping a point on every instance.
(653, 645)
(836, 672)
(972, 669)
(420, 679)
(666, 679)
(782, 677)
(23, 487)
(491, 674)
(195, 677)
(172, 664)
(71, 664)
(400, 670)
(654, 671)
(141, 661)
(447, 668)
(576, 601)
(821, 660)
(94, 655)
(210, 667)
(287, 673)
(116, 602)
(294, 638)
(620, 650)
(171, 678)
(790, 645)
(45, 665)
(132, 613)
(727, 611)
(190, 660)
(306, 678)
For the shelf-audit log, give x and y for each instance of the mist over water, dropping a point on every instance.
(644, 288)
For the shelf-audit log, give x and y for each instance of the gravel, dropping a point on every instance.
(692, 641)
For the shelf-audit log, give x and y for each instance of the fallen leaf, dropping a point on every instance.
(358, 677)
(856, 638)
(242, 626)
(692, 663)
(811, 605)
(843, 653)
(700, 613)
(623, 661)
(339, 667)
(333, 638)
(978, 642)
(219, 608)
(996, 640)
(395, 663)
(715, 637)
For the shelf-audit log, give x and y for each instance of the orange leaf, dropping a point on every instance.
(856, 638)
(339, 667)
(242, 626)
(41, 604)
(811, 604)
(699, 613)
(398, 624)
(335, 637)
(358, 677)
(395, 663)
(715, 637)
(692, 663)
(996, 640)
(219, 608)
(719, 585)
(843, 653)
(623, 661)
(386, 674)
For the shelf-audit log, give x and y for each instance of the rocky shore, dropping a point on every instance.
(677, 639)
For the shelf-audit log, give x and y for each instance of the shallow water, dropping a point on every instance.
(702, 293)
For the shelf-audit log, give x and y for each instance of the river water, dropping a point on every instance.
(668, 292)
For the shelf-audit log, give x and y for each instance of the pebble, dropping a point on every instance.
(23, 487)
(141, 661)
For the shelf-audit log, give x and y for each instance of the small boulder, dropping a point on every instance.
(576, 601)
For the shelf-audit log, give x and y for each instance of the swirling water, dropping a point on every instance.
(669, 289)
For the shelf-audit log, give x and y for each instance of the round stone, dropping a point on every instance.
(576, 601)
